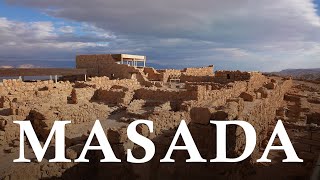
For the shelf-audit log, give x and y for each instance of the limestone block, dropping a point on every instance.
(271, 85)
(200, 115)
(264, 92)
(116, 136)
(247, 96)
(143, 130)
(258, 95)
(74, 151)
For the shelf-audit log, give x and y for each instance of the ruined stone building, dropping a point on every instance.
(118, 89)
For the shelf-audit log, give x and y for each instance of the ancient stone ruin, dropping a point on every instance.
(118, 89)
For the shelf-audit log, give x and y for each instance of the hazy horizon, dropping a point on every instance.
(237, 35)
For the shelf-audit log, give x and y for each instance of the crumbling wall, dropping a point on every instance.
(94, 62)
(169, 73)
(106, 83)
(188, 74)
(201, 71)
(106, 65)
(191, 78)
(260, 114)
(16, 86)
(165, 120)
(23, 95)
(307, 145)
(3, 90)
(208, 85)
(82, 95)
(256, 81)
(117, 95)
(164, 95)
(230, 76)
(105, 90)
(211, 94)
(201, 93)
(152, 74)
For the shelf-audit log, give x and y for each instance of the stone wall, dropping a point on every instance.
(114, 96)
(213, 95)
(18, 92)
(260, 113)
(204, 94)
(169, 73)
(93, 63)
(105, 65)
(190, 78)
(308, 146)
(230, 76)
(152, 74)
(202, 71)
(164, 95)
(82, 95)
(106, 83)
(103, 89)
(16, 85)
(187, 74)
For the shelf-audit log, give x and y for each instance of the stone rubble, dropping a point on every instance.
(116, 97)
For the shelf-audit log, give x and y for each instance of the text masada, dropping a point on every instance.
(58, 130)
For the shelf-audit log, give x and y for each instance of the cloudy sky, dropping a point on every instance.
(266, 35)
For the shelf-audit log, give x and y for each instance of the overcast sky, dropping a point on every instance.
(266, 35)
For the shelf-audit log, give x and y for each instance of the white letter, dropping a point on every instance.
(221, 140)
(286, 145)
(58, 127)
(190, 146)
(144, 142)
(104, 145)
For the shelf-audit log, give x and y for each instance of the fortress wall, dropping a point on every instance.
(100, 88)
(261, 113)
(16, 85)
(230, 76)
(191, 78)
(113, 96)
(42, 92)
(152, 74)
(213, 93)
(164, 95)
(308, 145)
(202, 71)
(106, 83)
(94, 60)
(167, 73)
(204, 135)
(104, 65)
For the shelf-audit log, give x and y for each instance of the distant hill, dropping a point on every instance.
(305, 74)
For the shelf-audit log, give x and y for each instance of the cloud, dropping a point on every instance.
(44, 40)
(66, 29)
(6, 67)
(247, 34)
(27, 66)
(20, 66)
(235, 52)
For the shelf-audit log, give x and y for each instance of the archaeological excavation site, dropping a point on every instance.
(118, 89)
